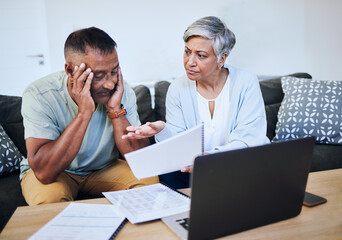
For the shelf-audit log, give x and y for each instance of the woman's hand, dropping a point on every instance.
(144, 131)
(187, 169)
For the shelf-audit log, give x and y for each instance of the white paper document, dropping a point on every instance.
(82, 221)
(167, 156)
(148, 203)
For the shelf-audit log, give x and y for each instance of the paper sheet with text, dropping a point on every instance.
(148, 203)
(167, 156)
(82, 221)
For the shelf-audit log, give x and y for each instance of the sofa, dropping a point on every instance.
(324, 157)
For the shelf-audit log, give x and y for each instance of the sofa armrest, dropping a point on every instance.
(12, 121)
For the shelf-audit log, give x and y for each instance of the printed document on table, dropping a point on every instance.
(167, 156)
(148, 203)
(83, 221)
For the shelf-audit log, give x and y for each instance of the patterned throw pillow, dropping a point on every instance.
(310, 108)
(10, 157)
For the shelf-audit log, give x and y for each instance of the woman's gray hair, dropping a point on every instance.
(213, 29)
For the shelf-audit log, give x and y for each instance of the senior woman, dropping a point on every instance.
(227, 99)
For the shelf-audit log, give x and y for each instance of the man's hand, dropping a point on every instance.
(114, 103)
(80, 83)
(144, 131)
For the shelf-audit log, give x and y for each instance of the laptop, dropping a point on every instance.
(242, 189)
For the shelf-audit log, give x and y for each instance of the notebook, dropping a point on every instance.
(161, 156)
(242, 189)
(83, 221)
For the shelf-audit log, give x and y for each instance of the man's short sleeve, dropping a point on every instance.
(129, 102)
(38, 117)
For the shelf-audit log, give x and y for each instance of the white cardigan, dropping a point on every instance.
(247, 122)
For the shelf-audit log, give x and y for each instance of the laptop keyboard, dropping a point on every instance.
(183, 222)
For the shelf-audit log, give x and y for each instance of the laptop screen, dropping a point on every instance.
(237, 190)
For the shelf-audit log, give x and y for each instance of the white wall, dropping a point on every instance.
(274, 37)
(23, 35)
(148, 33)
(323, 38)
(269, 35)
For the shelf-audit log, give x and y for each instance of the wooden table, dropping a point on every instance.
(320, 222)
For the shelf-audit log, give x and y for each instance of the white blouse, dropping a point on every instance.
(216, 129)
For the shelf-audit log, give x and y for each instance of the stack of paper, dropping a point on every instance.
(148, 203)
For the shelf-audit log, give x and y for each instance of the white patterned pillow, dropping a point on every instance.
(310, 108)
(10, 157)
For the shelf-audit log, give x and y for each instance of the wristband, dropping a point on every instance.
(117, 114)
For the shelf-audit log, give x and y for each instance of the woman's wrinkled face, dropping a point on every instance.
(200, 61)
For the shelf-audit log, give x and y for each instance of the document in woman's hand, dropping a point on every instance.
(167, 156)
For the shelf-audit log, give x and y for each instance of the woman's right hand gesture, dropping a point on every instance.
(147, 130)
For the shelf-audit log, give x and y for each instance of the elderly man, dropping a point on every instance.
(74, 121)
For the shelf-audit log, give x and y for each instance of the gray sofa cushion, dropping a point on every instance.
(160, 90)
(310, 108)
(144, 103)
(326, 157)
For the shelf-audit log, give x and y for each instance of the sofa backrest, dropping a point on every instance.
(144, 104)
(12, 121)
(271, 91)
(160, 90)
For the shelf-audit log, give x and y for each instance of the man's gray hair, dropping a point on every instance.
(214, 29)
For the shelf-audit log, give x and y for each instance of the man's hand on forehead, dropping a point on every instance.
(80, 80)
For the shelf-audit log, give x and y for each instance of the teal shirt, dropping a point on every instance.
(48, 109)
